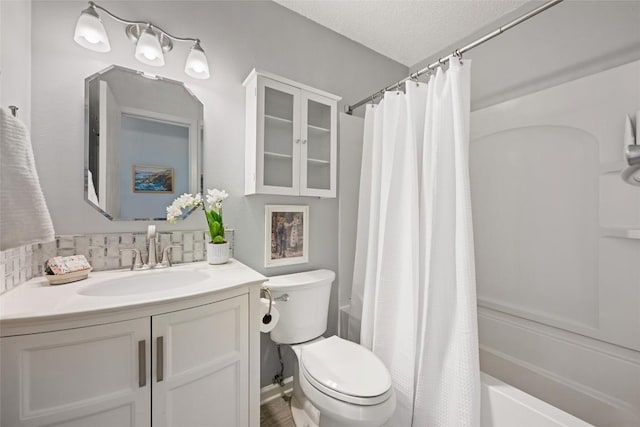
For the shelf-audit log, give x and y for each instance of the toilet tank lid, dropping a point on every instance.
(306, 279)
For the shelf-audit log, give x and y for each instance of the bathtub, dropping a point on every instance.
(506, 406)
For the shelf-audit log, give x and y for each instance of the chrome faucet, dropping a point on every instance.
(152, 259)
(152, 250)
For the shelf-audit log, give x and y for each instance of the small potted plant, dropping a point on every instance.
(218, 247)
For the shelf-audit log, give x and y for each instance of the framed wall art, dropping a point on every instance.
(286, 235)
(152, 179)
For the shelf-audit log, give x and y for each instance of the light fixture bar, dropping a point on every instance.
(143, 23)
(151, 41)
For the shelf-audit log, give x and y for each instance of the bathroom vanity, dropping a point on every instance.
(172, 347)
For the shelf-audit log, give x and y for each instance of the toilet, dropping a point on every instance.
(336, 383)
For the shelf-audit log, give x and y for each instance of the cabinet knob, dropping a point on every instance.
(304, 141)
(298, 141)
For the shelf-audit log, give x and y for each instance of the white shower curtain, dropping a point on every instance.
(414, 274)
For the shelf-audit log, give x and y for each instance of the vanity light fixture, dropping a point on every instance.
(151, 41)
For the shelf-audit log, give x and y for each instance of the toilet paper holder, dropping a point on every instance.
(266, 319)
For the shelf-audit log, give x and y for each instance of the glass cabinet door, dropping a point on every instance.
(318, 156)
(280, 137)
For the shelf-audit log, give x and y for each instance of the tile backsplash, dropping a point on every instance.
(23, 263)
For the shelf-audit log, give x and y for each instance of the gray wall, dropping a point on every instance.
(236, 36)
(148, 142)
(571, 40)
(15, 66)
(351, 134)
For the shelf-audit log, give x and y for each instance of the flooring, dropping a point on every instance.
(276, 413)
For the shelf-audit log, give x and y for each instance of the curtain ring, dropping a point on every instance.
(398, 88)
(458, 55)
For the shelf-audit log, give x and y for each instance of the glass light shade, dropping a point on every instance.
(90, 32)
(197, 65)
(148, 49)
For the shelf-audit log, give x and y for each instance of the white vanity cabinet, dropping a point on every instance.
(291, 137)
(77, 377)
(182, 367)
(200, 371)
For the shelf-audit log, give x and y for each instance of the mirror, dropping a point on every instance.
(143, 143)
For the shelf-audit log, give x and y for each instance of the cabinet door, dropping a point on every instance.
(319, 143)
(200, 366)
(94, 376)
(278, 147)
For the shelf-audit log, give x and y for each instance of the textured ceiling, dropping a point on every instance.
(407, 31)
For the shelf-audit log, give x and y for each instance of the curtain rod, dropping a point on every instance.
(457, 52)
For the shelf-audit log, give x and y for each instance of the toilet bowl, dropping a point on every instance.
(337, 383)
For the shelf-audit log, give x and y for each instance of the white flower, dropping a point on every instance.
(182, 202)
(214, 201)
(215, 198)
(173, 212)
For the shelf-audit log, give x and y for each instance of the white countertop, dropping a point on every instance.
(36, 301)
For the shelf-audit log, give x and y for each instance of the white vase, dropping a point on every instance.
(217, 253)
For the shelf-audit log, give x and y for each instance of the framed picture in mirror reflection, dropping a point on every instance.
(152, 179)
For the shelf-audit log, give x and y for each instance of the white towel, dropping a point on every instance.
(91, 189)
(24, 216)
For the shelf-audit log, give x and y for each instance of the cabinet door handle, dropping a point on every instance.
(160, 360)
(142, 363)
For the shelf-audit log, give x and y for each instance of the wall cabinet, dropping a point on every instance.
(291, 138)
(183, 368)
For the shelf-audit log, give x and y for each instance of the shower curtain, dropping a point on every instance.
(414, 273)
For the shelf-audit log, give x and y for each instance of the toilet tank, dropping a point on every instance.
(303, 303)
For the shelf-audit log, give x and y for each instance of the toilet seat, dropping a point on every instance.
(345, 371)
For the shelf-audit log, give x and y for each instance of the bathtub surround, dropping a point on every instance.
(557, 247)
(21, 264)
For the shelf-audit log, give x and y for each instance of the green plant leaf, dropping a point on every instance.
(216, 228)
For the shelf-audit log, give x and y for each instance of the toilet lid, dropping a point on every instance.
(346, 371)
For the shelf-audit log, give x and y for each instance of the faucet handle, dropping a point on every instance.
(151, 231)
(166, 258)
(136, 257)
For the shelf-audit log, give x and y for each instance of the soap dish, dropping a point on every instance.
(74, 276)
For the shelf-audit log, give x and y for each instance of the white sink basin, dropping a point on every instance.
(144, 282)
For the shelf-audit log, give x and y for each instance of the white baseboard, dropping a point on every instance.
(273, 391)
